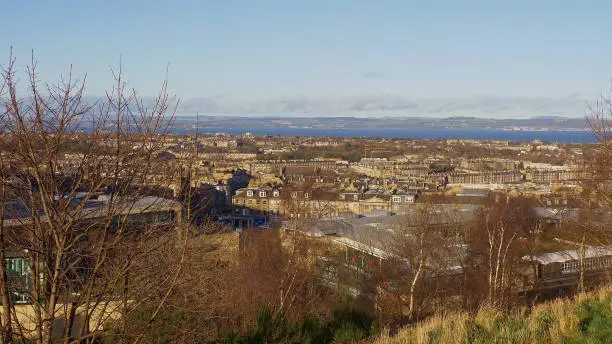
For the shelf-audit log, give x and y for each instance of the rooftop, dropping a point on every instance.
(569, 255)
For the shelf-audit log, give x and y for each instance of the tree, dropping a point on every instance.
(600, 121)
(495, 247)
(421, 247)
(80, 259)
(585, 228)
(278, 271)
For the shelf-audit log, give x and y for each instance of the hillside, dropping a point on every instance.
(585, 319)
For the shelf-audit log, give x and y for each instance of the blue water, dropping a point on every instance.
(421, 133)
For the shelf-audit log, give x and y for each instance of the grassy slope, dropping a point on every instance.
(585, 319)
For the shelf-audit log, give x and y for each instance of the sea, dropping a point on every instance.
(552, 136)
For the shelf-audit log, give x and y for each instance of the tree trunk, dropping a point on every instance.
(582, 266)
(502, 287)
(49, 318)
(498, 265)
(415, 280)
(491, 244)
(7, 326)
(69, 323)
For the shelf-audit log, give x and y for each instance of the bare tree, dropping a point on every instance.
(495, 245)
(586, 227)
(278, 271)
(421, 253)
(82, 262)
(600, 121)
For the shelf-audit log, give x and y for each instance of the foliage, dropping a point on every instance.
(164, 329)
(441, 167)
(348, 325)
(349, 151)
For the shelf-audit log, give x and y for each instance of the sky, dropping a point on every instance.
(330, 57)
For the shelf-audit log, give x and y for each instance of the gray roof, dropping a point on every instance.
(377, 234)
(569, 255)
(98, 207)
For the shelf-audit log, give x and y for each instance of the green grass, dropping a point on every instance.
(585, 319)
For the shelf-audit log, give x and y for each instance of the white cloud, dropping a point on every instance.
(390, 105)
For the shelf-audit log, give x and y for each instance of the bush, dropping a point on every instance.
(166, 328)
(349, 333)
(348, 325)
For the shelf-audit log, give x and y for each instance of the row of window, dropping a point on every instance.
(272, 201)
(246, 212)
(395, 199)
(355, 197)
(275, 193)
(556, 201)
(294, 194)
(398, 199)
(589, 264)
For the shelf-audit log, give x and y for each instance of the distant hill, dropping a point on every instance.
(460, 118)
(455, 122)
(550, 117)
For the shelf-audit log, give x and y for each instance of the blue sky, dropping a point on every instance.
(485, 58)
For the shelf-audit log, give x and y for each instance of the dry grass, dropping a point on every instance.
(587, 318)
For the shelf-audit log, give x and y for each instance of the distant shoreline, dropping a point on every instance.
(557, 135)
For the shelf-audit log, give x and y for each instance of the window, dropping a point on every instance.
(294, 194)
(262, 194)
(250, 201)
(589, 264)
(264, 201)
(275, 193)
(250, 193)
(397, 199)
(569, 267)
(356, 197)
(305, 194)
(20, 281)
(598, 263)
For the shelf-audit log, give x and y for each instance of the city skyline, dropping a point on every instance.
(347, 58)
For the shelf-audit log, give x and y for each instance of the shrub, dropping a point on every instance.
(348, 325)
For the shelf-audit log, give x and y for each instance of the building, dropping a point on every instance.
(562, 269)
(97, 218)
(252, 207)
